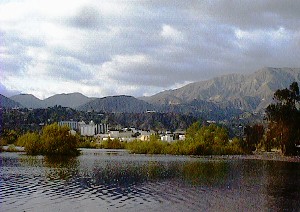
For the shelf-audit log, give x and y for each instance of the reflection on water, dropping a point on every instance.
(61, 168)
(118, 181)
(287, 184)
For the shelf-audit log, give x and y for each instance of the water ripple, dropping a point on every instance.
(134, 183)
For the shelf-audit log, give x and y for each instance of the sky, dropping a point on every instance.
(140, 47)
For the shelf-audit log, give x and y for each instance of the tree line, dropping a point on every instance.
(15, 123)
(200, 140)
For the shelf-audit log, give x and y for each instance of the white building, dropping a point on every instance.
(168, 138)
(114, 134)
(101, 128)
(92, 129)
(143, 132)
(73, 125)
(181, 137)
(88, 129)
(144, 137)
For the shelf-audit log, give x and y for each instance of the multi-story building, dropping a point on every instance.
(90, 129)
(101, 128)
(73, 125)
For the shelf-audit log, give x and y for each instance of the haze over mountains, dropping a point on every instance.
(231, 93)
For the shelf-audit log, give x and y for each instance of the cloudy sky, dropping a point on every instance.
(140, 47)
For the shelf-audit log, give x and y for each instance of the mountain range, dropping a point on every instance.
(220, 96)
(246, 92)
(71, 100)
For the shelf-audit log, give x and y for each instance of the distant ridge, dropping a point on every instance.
(8, 103)
(28, 100)
(114, 104)
(71, 100)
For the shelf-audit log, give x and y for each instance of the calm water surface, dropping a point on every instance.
(117, 181)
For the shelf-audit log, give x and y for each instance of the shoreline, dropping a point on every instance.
(268, 156)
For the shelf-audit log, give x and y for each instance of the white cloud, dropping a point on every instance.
(171, 33)
(257, 35)
(129, 47)
(120, 63)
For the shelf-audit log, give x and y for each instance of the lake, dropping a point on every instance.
(99, 180)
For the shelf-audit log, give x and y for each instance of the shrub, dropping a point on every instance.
(205, 140)
(112, 144)
(57, 140)
(3, 142)
(87, 144)
(31, 143)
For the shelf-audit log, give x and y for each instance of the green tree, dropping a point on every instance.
(57, 140)
(284, 119)
(10, 136)
(254, 135)
(31, 142)
(112, 144)
(206, 140)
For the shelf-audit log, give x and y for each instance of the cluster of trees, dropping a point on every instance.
(53, 140)
(106, 144)
(284, 120)
(200, 140)
(283, 127)
(24, 120)
(154, 121)
(9, 137)
(253, 137)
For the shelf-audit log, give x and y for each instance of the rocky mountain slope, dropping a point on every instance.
(246, 92)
